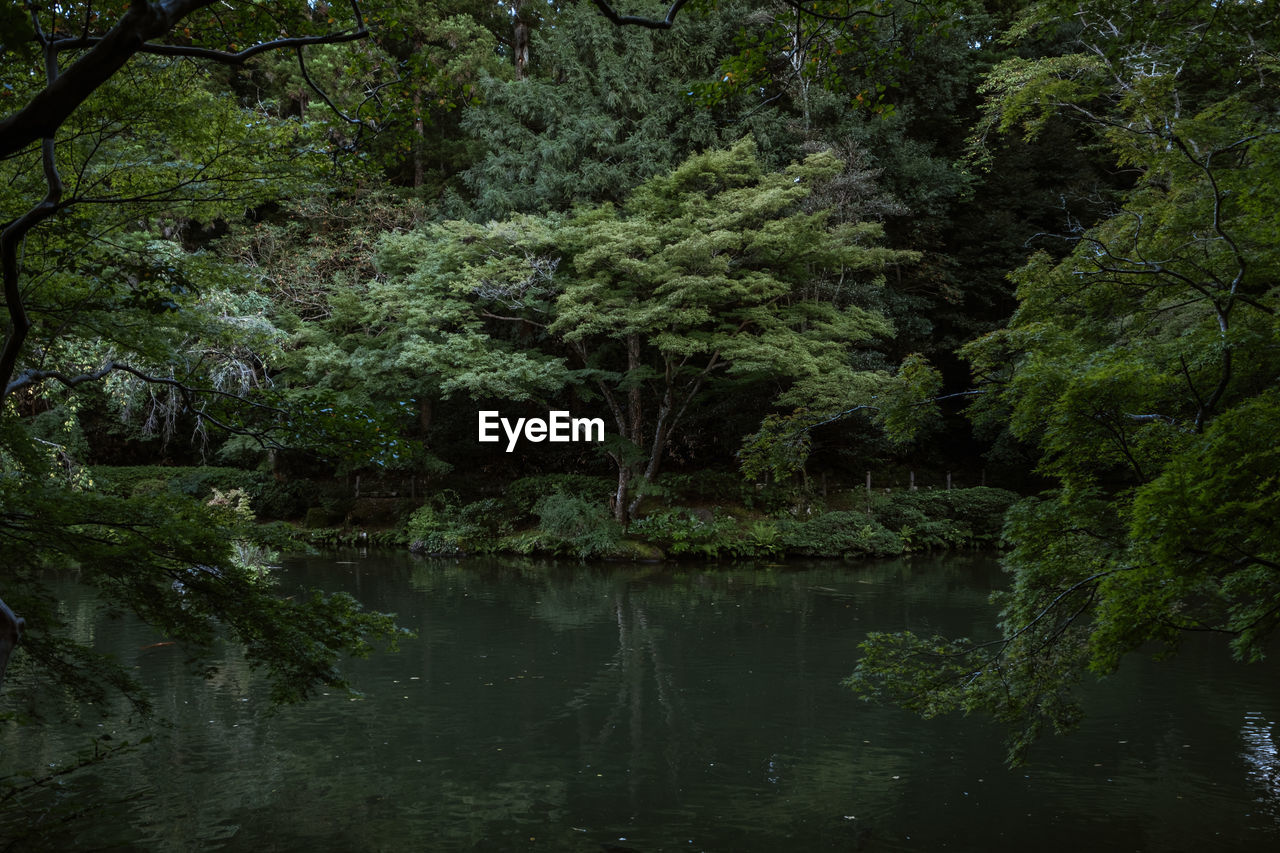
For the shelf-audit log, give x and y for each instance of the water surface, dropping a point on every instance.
(549, 706)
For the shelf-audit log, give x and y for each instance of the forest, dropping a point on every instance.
(839, 279)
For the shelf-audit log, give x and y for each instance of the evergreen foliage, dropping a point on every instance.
(609, 108)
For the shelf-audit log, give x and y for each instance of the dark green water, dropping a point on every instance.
(550, 707)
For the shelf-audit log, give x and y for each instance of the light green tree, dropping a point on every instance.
(710, 281)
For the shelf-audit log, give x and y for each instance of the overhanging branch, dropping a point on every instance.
(32, 378)
(105, 55)
(65, 90)
(639, 20)
(225, 57)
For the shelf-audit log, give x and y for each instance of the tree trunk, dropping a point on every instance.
(520, 41)
(621, 505)
(420, 135)
(10, 633)
(660, 434)
(424, 416)
(627, 505)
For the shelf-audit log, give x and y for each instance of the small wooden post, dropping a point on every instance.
(913, 481)
(868, 482)
(948, 481)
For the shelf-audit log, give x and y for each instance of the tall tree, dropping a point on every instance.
(1142, 365)
(116, 137)
(709, 281)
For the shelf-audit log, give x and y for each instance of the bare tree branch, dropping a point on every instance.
(639, 20)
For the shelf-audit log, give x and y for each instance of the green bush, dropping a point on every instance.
(492, 516)
(931, 519)
(908, 509)
(524, 493)
(983, 509)
(193, 481)
(934, 534)
(682, 531)
(525, 542)
(437, 527)
(154, 486)
(444, 526)
(576, 525)
(840, 534)
(764, 539)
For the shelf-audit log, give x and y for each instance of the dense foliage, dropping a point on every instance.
(1143, 367)
(122, 139)
(770, 243)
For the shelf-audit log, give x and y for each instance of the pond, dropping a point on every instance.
(555, 707)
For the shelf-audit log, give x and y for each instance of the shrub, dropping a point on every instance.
(492, 516)
(682, 531)
(908, 509)
(437, 527)
(525, 493)
(764, 538)
(983, 509)
(193, 481)
(839, 534)
(251, 553)
(943, 519)
(577, 525)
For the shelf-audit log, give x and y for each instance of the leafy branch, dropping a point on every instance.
(65, 91)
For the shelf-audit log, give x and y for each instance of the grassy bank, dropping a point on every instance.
(707, 517)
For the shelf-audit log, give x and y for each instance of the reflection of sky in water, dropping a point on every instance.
(1263, 758)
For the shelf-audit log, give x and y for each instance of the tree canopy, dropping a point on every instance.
(1142, 365)
(120, 138)
(709, 280)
